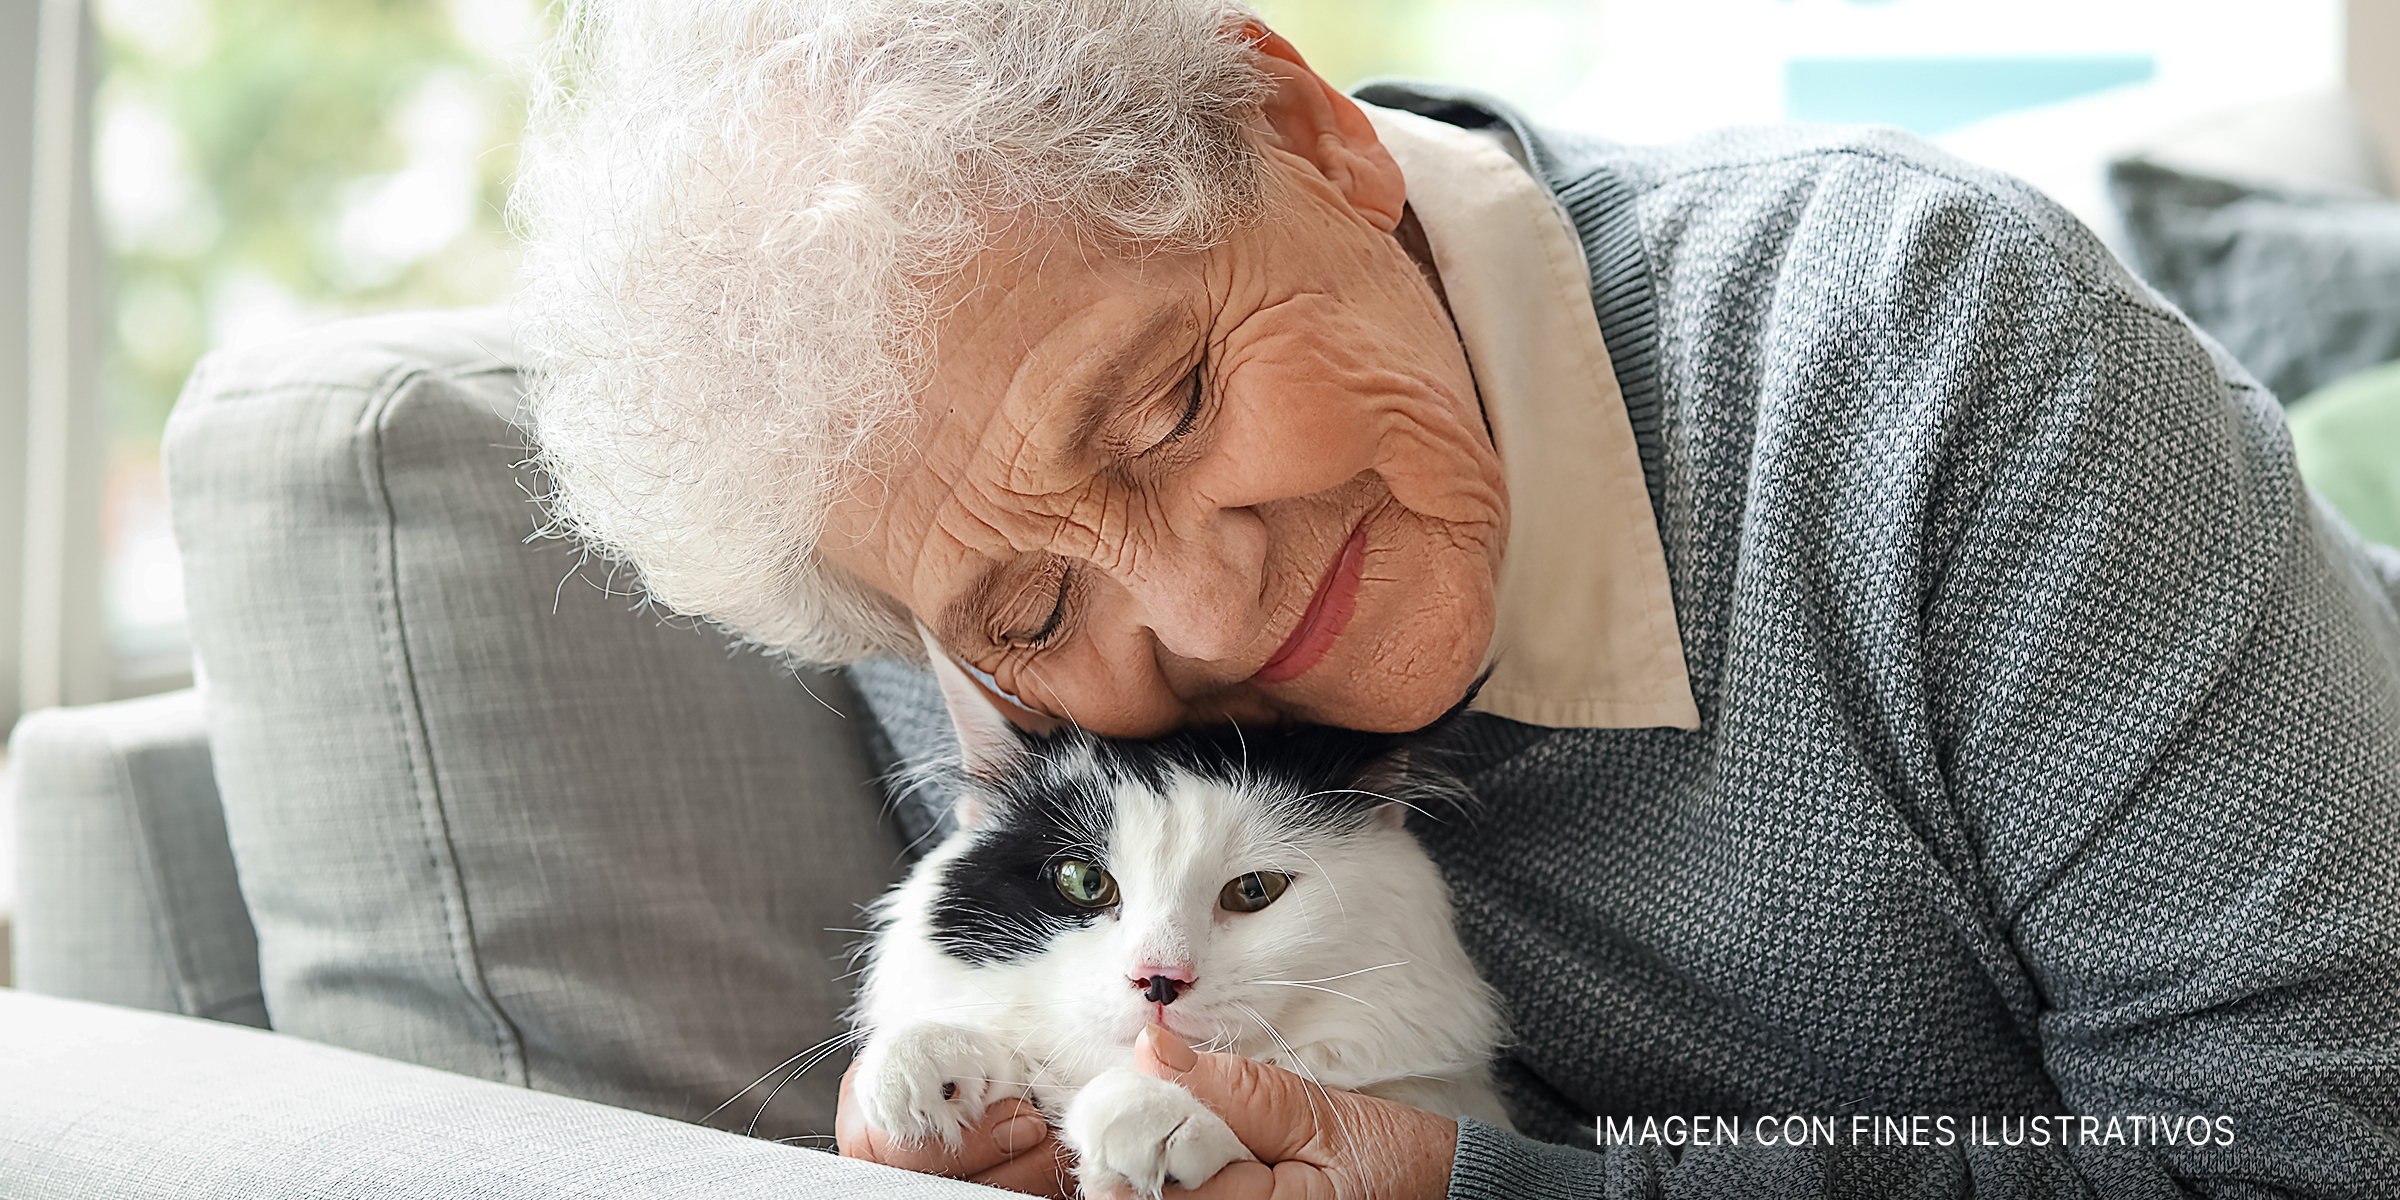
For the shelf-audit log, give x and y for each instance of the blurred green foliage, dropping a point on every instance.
(244, 143)
(248, 139)
(1533, 53)
(1350, 40)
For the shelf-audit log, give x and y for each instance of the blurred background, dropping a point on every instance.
(262, 165)
(235, 170)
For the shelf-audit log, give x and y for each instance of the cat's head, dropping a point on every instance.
(1236, 884)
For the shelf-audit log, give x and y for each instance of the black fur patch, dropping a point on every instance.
(997, 901)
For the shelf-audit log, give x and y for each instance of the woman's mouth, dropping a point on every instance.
(1327, 615)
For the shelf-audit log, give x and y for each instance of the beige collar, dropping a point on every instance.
(1586, 634)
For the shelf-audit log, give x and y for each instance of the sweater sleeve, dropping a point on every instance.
(2156, 690)
(2168, 713)
(1494, 1164)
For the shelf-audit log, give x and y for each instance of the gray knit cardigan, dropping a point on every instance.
(2049, 752)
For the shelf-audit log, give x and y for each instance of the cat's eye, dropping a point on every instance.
(1253, 891)
(1085, 885)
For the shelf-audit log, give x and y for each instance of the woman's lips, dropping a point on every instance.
(1328, 613)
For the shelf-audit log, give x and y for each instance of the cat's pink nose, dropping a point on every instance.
(1162, 988)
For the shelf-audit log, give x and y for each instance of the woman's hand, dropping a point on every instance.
(1312, 1143)
(1012, 1147)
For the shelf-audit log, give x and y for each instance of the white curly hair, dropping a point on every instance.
(737, 214)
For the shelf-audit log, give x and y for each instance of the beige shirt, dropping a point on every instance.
(1586, 633)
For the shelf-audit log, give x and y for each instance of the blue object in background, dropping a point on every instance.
(1934, 95)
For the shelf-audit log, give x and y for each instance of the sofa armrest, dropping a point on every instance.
(105, 1101)
(126, 890)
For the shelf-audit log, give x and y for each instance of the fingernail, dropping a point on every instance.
(1169, 1049)
(1020, 1132)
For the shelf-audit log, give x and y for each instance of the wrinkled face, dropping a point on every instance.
(1252, 483)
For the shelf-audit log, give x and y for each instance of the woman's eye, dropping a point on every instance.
(1037, 626)
(1193, 393)
(1253, 891)
(1085, 885)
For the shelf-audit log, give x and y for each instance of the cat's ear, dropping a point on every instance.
(1387, 776)
(987, 741)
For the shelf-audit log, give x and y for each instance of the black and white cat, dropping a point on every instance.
(1254, 891)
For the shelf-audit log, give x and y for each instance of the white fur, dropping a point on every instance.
(1134, 1131)
(1354, 978)
(739, 216)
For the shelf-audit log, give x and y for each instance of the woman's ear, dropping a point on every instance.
(1308, 117)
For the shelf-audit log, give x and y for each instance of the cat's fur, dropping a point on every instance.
(985, 982)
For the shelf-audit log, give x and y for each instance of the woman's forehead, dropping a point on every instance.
(1028, 366)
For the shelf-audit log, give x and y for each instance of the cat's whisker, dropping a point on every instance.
(901, 781)
(1223, 1040)
(1327, 876)
(1061, 701)
(866, 941)
(1331, 978)
(1301, 1068)
(820, 1056)
(1045, 1065)
(1428, 814)
(1314, 988)
(835, 1040)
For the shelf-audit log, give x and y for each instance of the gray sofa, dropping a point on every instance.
(447, 797)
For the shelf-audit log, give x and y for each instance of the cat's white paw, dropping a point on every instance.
(927, 1080)
(1130, 1129)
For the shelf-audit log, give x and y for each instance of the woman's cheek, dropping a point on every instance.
(1403, 409)
(1441, 469)
(1299, 426)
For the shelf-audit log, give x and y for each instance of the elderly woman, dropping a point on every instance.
(1920, 684)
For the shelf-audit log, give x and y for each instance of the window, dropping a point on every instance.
(1646, 70)
(260, 166)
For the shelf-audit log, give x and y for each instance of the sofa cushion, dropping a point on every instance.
(127, 892)
(2347, 438)
(2302, 287)
(490, 814)
(221, 1113)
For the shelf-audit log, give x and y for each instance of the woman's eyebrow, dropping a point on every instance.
(1097, 394)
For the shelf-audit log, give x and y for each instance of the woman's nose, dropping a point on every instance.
(1200, 584)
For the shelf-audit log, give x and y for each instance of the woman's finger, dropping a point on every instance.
(1273, 1112)
(1010, 1130)
(1046, 1169)
(1321, 1143)
(1257, 1181)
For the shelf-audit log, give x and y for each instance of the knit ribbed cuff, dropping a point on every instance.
(1494, 1164)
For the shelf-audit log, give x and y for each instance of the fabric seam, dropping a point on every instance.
(408, 706)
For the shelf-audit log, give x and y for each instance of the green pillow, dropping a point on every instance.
(2347, 435)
